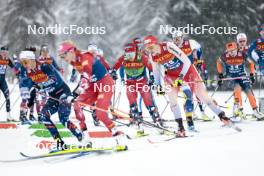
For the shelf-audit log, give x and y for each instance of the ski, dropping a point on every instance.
(233, 126)
(136, 136)
(78, 151)
(151, 141)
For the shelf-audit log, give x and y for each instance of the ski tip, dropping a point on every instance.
(24, 155)
(150, 141)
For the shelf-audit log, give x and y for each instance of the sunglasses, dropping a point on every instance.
(63, 55)
(149, 47)
(242, 41)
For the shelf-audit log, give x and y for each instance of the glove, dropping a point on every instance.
(151, 80)
(25, 93)
(67, 99)
(113, 74)
(178, 82)
(220, 81)
(70, 99)
(206, 78)
(160, 90)
(252, 78)
(198, 64)
(78, 91)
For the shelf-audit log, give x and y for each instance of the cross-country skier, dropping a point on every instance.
(95, 50)
(241, 40)
(193, 51)
(178, 69)
(4, 62)
(45, 77)
(94, 83)
(45, 57)
(135, 64)
(36, 97)
(256, 50)
(28, 97)
(234, 62)
(138, 42)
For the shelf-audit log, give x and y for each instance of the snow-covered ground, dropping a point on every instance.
(215, 151)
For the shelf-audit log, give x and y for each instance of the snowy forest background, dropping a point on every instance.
(126, 19)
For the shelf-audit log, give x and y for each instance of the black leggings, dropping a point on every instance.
(5, 90)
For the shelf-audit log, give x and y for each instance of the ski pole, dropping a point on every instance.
(87, 110)
(113, 100)
(229, 98)
(223, 79)
(12, 90)
(167, 103)
(120, 113)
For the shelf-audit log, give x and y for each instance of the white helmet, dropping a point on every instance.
(241, 36)
(27, 55)
(92, 48)
(177, 34)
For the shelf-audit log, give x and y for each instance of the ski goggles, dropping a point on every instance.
(149, 47)
(242, 41)
(64, 54)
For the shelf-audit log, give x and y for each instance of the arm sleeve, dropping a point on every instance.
(219, 65)
(104, 62)
(119, 62)
(122, 72)
(252, 53)
(156, 71)
(55, 64)
(146, 62)
(194, 45)
(87, 64)
(172, 48)
(10, 63)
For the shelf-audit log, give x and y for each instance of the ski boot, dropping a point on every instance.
(224, 119)
(181, 133)
(24, 121)
(118, 135)
(9, 118)
(205, 117)
(258, 115)
(140, 132)
(153, 111)
(84, 139)
(60, 144)
(134, 114)
(23, 117)
(181, 130)
(237, 115)
(190, 124)
(32, 118)
(95, 119)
